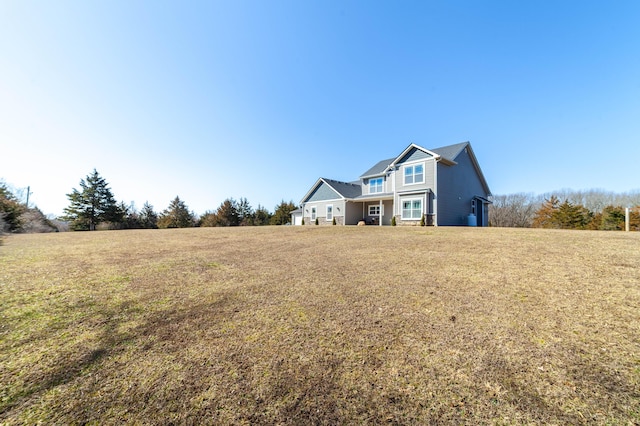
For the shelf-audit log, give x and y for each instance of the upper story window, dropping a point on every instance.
(375, 185)
(414, 174)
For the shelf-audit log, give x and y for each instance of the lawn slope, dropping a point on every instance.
(321, 325)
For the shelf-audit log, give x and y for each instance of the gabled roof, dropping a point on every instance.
(450, 152)
(445, 154)
(378, 169)
(347, 190)
(342, 189)
(409, 148)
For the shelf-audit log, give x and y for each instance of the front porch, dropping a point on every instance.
(376, 211)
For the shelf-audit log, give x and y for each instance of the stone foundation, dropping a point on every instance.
(323, 221)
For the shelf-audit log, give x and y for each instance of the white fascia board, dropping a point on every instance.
(342, 197)
(409, 148)
(315, 186)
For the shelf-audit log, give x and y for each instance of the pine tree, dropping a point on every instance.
(282, 213)
(148, 218)
(545, 217)
(571, 216)
(612, 218)
(262, 216)
(245, 212)
(227, 214)
(177, 215)
(92, 205)
(10, 210)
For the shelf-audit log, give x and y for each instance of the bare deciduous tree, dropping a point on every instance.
(513, 210)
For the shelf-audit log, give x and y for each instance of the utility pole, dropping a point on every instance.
(28, 192)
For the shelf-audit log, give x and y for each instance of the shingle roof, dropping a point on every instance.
(347, 190)
(354, 189)
(450, 152)
(378, 169)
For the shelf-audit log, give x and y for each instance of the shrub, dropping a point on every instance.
(422, 223)
(333, 221)
(303, 221)
(317, 223)
(393, 221)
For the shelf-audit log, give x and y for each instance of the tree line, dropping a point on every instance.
(93, 206)
(566, 209)
(16, 216)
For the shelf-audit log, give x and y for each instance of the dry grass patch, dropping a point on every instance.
(326, 325)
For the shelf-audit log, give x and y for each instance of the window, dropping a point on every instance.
(414, 174)
(329, 212)
(412, 209)
(375, 185)
(374, 210)
(313, 213)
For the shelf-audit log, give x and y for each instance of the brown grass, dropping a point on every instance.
(321, 325)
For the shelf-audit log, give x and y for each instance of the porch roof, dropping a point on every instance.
(374, 197)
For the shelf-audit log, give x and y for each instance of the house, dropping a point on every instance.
(296, 217)
(445, 186)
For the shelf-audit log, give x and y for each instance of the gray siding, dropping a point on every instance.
(387, 206)
(323, 192)
(457, 185)
(425, 204)
(428, 178)
(413, 155)
(386, 185)
(321, 209)
(353, 213)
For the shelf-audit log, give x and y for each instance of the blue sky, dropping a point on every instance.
(257, 99)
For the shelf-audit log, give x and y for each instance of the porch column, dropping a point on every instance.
(380, 221)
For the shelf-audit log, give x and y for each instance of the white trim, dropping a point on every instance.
(413, 145)
(435, 194)
(326, 215)
(412, 166)
(378, 207)
(382, 179)
(315, 185)
(411, 200)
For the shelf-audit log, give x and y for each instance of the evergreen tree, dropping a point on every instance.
(130, 217)
(245, 212)
(177, 215)
(634, 219)
(208, 219)
(545, 217)
(10, 210)
(227, 214)
(92, 205)
(262, 216)
(148, 218)
(282, 213)
(571, 216)
(611, 219)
